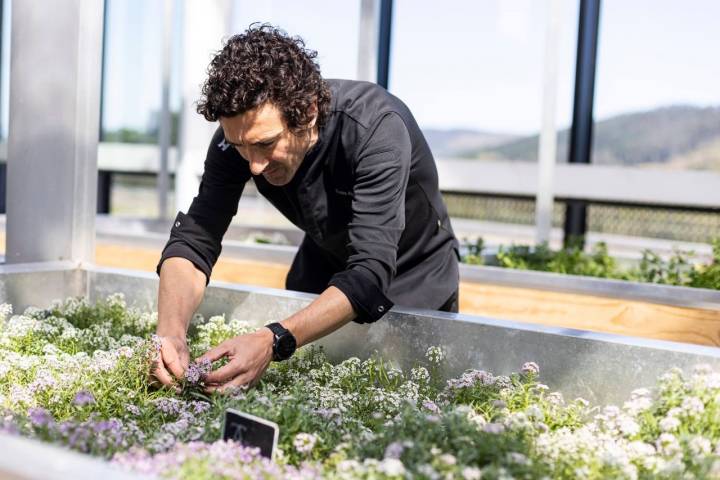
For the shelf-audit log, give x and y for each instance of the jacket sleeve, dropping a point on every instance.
(197, 235)
(378, 218)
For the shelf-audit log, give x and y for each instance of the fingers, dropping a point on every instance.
(171, 360)
(246, 379)
(224, 373)
(241, 381)
(214, 354)
(161, 374)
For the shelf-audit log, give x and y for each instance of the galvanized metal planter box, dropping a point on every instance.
(602, 368)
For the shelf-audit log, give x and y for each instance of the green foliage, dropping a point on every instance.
(708, 276)
(147, 136)
(474, 252)
(570, 260)
(676, 270)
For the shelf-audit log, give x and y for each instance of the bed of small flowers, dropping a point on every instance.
(76, 375)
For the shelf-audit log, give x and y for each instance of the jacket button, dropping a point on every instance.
(177, 224)
(381, 309)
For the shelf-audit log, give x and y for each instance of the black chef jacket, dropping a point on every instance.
(366, 195)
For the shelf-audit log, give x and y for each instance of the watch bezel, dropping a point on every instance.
(284, 347)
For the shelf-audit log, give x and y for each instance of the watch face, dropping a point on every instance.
(286, 346)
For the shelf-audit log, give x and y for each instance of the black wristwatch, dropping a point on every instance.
(284, 343)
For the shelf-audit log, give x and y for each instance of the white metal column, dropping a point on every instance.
(55, 71)
(163, 178)
(204, 26)
(548, 135)
(368, 40)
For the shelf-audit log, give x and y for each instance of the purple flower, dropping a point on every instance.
(197, 371)
(223, 459)
(157, 342)
(93, 435)
(494, 428)
(82, 398)
(40, 417)
(530, 368)
(133, 409)
(170, 406)
(199, 407)
(394, 450)
(431, 406)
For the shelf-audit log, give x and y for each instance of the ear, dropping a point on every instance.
(313, 111)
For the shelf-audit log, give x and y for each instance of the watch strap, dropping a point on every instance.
(277, 329)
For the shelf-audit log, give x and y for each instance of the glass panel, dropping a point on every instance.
(132, 88)
(657, 100)
(327, 26)
(471, 72)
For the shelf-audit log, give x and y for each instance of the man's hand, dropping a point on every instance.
(179, 294)
(173, 358)
(249, 357)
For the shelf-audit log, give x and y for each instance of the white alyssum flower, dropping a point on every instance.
(447, 459)
(435, 355)
(628, 426)
(669, 424)
(668, 445)
(699, 446)
(5, 311)
(304, 442)
(471, 473)
(692, 407)
(518, 458)
(391, 467)
(534, 413)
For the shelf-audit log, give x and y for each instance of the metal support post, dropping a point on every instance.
(548, 135)
(581, 132)
(55, 72)
(385, 34)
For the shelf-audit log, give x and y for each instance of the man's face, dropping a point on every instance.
(263, 139)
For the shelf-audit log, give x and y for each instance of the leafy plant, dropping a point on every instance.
(474, 252)
(677, 270)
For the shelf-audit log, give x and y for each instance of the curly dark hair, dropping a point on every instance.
(265, 64)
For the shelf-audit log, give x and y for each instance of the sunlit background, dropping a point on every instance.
(472, 74)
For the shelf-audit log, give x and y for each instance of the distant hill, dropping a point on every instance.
(456, 143)
(677, 136)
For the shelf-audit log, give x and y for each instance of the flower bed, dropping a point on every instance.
(76, 375)
(679, 269)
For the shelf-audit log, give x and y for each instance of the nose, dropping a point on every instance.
(258, 163)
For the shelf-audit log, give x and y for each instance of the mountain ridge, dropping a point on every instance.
(677, 136)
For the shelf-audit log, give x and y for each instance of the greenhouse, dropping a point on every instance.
(230, 253)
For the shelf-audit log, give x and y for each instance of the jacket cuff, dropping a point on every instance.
(366, 298)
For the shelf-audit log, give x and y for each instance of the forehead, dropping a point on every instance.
(261, 122)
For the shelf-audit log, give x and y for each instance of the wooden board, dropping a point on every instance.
(226, 270)
(587, 312)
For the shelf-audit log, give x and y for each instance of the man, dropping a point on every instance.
(346, 162)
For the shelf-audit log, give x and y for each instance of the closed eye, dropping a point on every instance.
(266, 144)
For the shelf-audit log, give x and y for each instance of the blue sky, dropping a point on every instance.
(458, 63)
